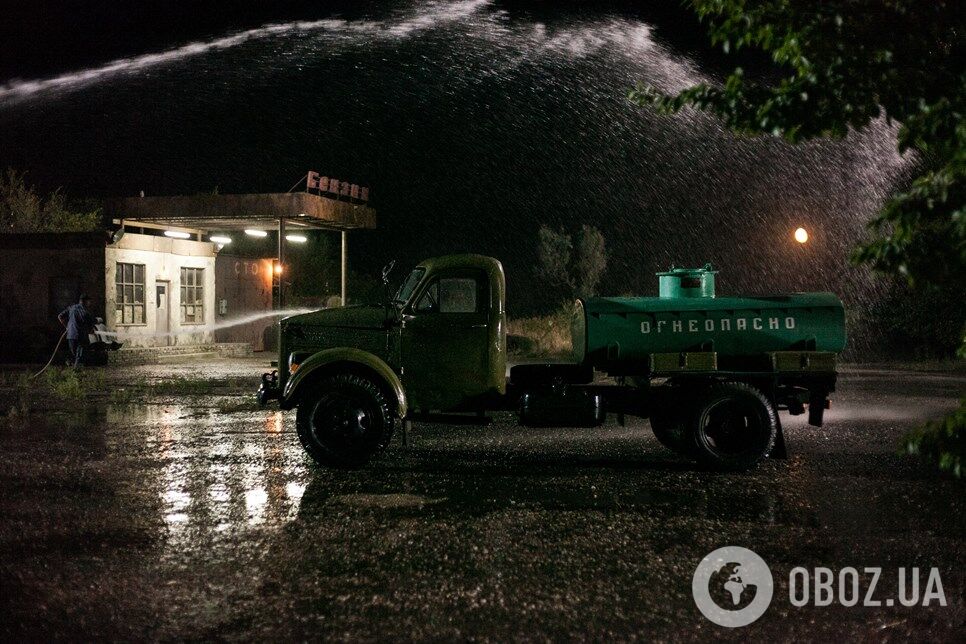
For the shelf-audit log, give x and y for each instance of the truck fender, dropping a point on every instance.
(337, 359)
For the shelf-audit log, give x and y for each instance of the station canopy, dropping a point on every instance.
(214, 212)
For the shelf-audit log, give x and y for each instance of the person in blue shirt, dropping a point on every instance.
(79, 322)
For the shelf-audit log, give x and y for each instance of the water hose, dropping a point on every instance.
(52, 355)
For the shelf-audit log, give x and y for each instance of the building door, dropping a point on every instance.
(163, 314)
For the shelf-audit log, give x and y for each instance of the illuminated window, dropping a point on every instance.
(129, 293)
(192, 296)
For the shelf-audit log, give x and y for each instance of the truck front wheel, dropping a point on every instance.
(344, 421)
(733, 427)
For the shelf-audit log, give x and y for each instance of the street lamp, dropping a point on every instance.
(801, 235)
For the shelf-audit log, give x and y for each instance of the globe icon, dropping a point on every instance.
(732, 586)
(729, 590)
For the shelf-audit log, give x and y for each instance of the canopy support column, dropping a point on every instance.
(280, 273)
(345, 262)
(280, 270)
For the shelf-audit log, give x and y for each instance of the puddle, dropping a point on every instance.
(386, 501)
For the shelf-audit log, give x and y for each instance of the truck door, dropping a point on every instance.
(444, 340)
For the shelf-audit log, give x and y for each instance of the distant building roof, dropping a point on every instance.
(236, 212)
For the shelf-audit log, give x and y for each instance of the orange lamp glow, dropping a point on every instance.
(801, 235)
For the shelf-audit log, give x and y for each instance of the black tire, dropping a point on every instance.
(344, 420)
(733, 427)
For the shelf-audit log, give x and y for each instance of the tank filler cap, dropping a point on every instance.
(687, 282)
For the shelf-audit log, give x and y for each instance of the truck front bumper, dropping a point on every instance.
(269, 389)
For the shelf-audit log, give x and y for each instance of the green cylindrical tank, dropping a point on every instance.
(610, 330)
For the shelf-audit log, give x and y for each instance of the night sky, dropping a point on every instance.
(473, 123)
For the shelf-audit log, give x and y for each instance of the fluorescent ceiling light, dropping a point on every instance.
(297, 238)
(177, 234)
(255, 233)
(220, 239)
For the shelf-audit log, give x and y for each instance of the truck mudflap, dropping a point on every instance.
(269, 389)
(817, 405)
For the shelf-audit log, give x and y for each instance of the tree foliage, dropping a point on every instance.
(841, 64)
(942, 442)
(22, 210)
(911, 323)
(555, 249)
(577, 272)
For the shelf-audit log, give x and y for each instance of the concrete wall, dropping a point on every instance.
(163, 259)
(246, 287)
(40, 274)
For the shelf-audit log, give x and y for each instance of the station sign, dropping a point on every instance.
(337, 187)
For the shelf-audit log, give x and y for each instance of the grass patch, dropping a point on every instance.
(66, 387)
(55, 386)
(941, 442)
(66, 384)
(17, 393)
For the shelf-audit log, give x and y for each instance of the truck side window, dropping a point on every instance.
(457, 295)
(451, 295)
(429, 302)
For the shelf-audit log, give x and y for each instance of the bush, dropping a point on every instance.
(942, 442)
(541, 337)
(576, 273)
(22, 210)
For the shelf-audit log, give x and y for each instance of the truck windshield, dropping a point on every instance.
(407, 288)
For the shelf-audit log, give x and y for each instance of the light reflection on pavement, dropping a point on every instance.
(173, 520)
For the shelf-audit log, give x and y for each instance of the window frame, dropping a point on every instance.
(413, 281)
(196, 287)
(482, 291)
(121, 302)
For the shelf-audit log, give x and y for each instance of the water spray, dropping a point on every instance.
(217, 326)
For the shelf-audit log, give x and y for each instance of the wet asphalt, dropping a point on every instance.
(177, 517)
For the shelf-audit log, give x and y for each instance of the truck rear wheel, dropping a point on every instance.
(733, 427)
(344, 421)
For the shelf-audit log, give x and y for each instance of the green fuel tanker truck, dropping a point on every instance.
(710, 373)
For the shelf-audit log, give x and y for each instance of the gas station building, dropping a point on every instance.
(162, 274)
